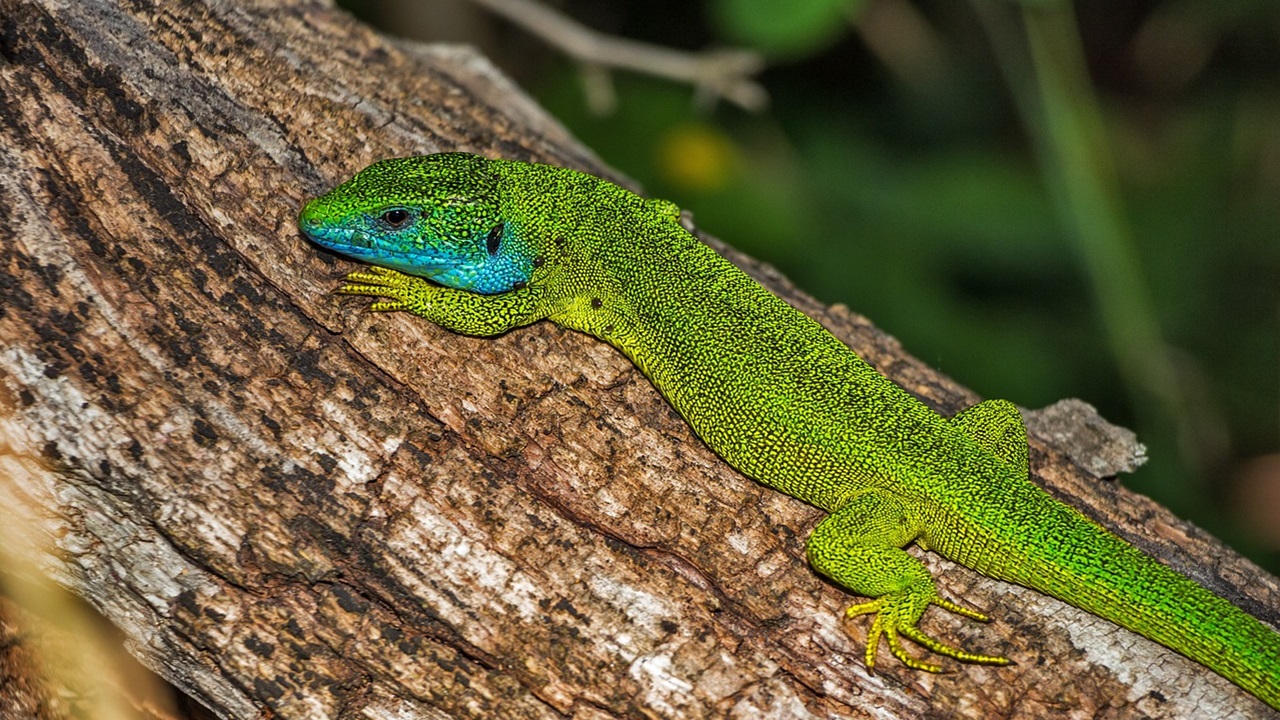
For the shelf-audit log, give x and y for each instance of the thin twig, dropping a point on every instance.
(721, 73)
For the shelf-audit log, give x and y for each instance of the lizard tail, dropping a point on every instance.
(1096, 571)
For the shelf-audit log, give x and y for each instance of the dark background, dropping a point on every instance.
(1042, 199)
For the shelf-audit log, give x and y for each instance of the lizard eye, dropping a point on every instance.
(395, 218)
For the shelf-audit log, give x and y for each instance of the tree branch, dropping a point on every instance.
(721, 73)
(295, 508)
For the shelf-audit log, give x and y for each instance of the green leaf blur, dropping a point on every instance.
(782, 28)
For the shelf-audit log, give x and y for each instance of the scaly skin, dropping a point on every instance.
(768, 389)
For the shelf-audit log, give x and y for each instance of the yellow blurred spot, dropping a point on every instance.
(696, 157)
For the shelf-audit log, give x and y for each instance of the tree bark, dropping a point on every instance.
(293, 508)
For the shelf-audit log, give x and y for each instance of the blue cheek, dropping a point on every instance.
(510, 267)
(501, 274)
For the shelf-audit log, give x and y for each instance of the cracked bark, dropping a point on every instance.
(289, 505)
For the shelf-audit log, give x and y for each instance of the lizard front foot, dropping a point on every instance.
(461, 311)
(401, 291)
(895, 616)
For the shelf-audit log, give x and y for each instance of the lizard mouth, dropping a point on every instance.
(347, 241)
(333, 237)
(364, 247)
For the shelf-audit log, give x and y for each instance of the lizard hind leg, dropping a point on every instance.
(859, 546)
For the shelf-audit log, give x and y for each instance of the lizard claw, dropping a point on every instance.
(893, 620)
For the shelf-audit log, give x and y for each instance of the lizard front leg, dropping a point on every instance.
(860, 547)
(461, 311)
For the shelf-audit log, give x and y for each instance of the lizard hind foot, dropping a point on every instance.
(895, 619)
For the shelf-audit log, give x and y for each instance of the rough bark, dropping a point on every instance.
(293, 508)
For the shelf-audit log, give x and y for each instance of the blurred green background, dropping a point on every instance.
(1042, 199)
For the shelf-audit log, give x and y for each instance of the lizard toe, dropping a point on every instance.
(896, 617)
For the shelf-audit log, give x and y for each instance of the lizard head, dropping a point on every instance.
(435, 216)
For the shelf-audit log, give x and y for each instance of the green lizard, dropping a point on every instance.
(482, 246)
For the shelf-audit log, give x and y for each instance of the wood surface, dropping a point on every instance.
(292, 508)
